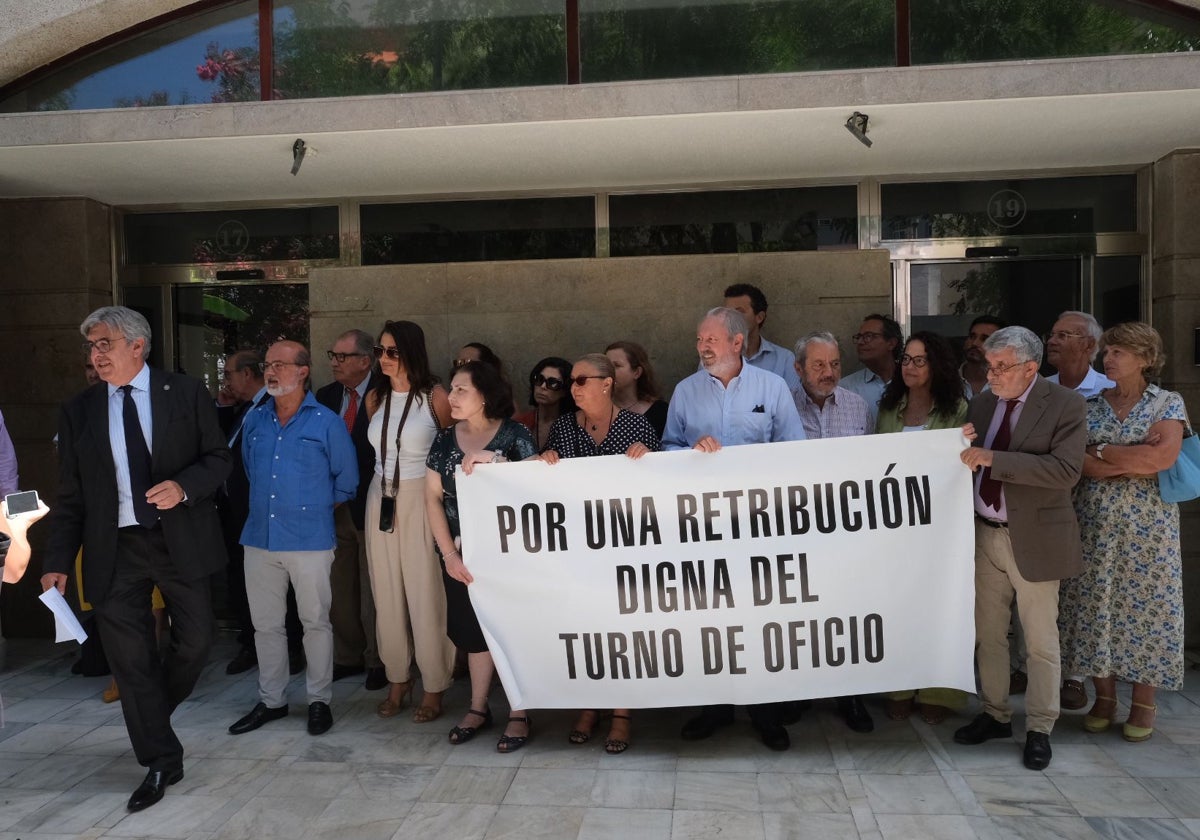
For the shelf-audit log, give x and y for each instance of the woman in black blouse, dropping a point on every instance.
(598, 427)
(635, 387)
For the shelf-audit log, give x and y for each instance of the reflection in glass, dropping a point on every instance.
(1117, 290)
(213, 321)
(733, 221)
(468, 231)
(211, 57)
(959, 31)
(1094, 204)
(309, 233)
(642, 39)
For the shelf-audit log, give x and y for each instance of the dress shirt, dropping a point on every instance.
(361, 389)
(778, 360)
(868, 385)
(236, 433)
(116, 439)
(9, 480)
(843, 415)
(1092, 384)
(756, 407)
(297, 472)
(981, 507)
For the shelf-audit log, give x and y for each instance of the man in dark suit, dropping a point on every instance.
(352, 612)
(141, 457)
(1027, 454)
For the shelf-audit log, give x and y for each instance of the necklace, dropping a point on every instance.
(612, 412)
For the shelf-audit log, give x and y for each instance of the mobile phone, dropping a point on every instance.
(19, 503)
(387, 514)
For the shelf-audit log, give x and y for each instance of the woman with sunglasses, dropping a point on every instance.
(549, 396)
(406, 410)
(635, 387)
(599, 427)
(928, 394)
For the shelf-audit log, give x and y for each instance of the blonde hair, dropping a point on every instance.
(1140, 339)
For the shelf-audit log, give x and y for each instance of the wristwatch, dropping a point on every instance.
(1100, 451)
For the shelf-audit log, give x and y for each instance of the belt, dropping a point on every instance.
(991, 523)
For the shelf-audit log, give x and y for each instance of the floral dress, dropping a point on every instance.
(1123, 616)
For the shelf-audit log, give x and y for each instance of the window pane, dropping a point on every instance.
(469, 231)
(653, 39)
(957, 31)
(1099, 204)
(328, 48)
(309, 233)
(733, 221)
(212, 57)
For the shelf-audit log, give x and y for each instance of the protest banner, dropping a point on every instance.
(754, 574)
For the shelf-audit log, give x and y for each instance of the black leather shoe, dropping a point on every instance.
(855, 714)
(704, 725)
(983, 728)
(376, 679)
(774, 736)
(296, 662)
(1037, 750)
(340, 672)
(245, 660)
(319, 718)
(259, 715)
(153, 787)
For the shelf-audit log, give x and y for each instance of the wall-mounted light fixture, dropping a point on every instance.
(298, 150)
(857, 125)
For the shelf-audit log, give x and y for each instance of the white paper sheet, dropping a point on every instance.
(66, 625)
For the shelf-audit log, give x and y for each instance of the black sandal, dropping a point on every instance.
(462, 734)
(615, 746)
(512, 743)
(582, 736)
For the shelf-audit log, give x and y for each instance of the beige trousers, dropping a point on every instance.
(997, 579)
(406, 581)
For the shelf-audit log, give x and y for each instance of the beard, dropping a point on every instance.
(279, 390)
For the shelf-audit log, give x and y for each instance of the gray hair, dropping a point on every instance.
(601, 363)
(128, 322)
(1094, 330)
(820, 337)
(364, 342)
(1024, 343)
(733, 320)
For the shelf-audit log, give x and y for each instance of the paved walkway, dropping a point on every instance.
(66, 770)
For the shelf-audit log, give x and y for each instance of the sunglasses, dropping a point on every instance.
(581, 380)
(550, 383)
(457, 363)
(392, 352)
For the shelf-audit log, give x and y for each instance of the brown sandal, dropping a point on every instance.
(581, 734)
(933, 714)
(616, 746)
(899, 709)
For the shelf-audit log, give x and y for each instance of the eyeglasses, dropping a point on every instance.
(863, 337)
(342, 357)
(457, 363)
(550, 383)
(102, 345)
(392, 352)
(1000, 370)
(277, 367)
(581, 380)
(915, 361)
(1061, 335)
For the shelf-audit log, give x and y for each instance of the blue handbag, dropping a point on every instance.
(1180, 482)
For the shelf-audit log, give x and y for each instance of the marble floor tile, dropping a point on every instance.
(41, 709)
(1178, 730)
(60, 772)
(473, 785)
(282, 737)
(1128, 828)
(885, 757)
(924, 826)
(1019, 796)
(112, 741)
(45, 738)
(1033, 828)
(642, 789)
(16, 805)
(625, 823)
(1153, 759)
(990, 759)
(319, 780)
(11, 729)
(535, 822)
(547, 755)
(269, 818)
(717, 825)
(348, 819)
(12, 765)
(1082, 760)
(75, 812)
(1109, 796)
(909, 794)
(1180, 795)
(233, 778)
(809, 757)
(176, 816)
(809, 826)
(716, 791)
(398, 782)
(802, 793)
(444, 820)
(537, 786)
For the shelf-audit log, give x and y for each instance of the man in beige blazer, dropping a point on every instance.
(1027, 454)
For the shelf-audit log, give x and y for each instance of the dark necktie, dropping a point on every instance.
(989, 488)
(351, 409)
(139, 462)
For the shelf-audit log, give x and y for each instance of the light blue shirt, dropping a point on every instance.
(756, 407)
(868, 385)
(1092, 384)
(778, 360)
(116, 439)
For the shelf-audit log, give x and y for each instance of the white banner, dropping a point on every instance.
(754, 574)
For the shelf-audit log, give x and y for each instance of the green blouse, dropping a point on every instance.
(893, 421)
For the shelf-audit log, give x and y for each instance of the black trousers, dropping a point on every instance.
(152, 686)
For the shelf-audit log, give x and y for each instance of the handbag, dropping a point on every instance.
(1180, 482)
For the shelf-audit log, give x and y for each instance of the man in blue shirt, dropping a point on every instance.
(728, 403)
(752, 304)
(301, 463)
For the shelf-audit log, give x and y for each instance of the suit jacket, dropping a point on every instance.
(330, 396)
(189, 448)
(233, 498)
(1043, 462)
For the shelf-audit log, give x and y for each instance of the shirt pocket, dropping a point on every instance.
(751, 427)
